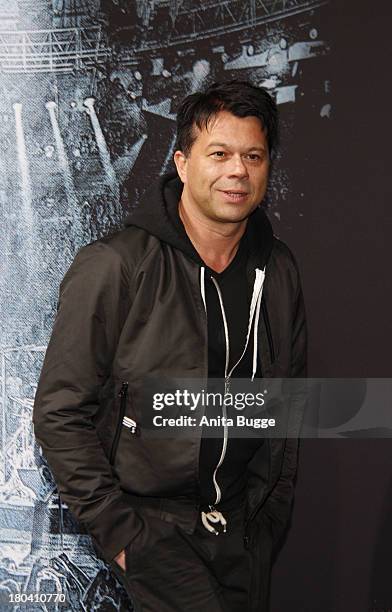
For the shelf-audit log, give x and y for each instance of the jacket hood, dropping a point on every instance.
(157, 214)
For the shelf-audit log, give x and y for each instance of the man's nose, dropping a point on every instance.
(237, 167)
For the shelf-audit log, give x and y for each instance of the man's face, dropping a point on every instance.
(225, 175)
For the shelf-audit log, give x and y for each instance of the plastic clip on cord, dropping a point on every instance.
(215, 517)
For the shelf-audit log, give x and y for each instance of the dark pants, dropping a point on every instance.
(168, 570)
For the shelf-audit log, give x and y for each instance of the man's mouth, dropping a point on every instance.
(234, 195)
(234, 191)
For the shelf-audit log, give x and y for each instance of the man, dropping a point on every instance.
(195, 287)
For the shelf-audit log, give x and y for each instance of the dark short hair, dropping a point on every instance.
(238, 97)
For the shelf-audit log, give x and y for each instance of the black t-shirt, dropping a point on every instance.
(232, 474)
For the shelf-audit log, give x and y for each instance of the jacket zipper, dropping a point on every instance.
(268, 330)
(254, 512)
(272, 356)
(122, 394)
(249, 520)
(228, 374)
(218, 490)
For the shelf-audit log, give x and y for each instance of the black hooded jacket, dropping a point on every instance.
(130, 314)
(236, 294)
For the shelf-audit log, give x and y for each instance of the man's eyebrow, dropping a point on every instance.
(225, 145)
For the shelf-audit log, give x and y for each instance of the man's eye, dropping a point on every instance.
(254, 156)
(219, 153)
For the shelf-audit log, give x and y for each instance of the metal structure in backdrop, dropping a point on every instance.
(88, 98)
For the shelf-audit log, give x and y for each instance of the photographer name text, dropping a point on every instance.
(205, 421)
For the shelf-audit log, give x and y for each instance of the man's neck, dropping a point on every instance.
(217, 243)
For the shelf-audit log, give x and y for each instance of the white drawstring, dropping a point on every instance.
(254, 309)
(224, 409)
(214, 516)
(226, 327)
(203, 286)
(256, 327)
(254, 313)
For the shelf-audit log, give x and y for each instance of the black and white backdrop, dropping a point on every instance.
(88, 97)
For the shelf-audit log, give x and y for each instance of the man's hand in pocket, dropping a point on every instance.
(120, 559)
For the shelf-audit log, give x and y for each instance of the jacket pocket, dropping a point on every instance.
(156, 537)
(122, 395)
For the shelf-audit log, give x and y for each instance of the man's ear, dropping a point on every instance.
(180, 160)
